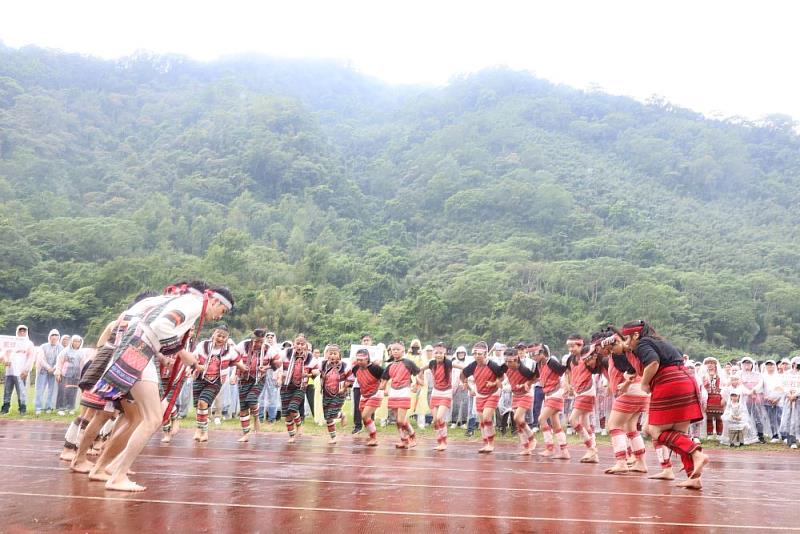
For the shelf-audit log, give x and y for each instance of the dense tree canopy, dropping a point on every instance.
(498, 207)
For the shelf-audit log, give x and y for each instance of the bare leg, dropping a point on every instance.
(146, 396)
(80, 464)
(116, 443)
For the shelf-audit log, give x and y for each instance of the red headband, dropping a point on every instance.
(637, 329)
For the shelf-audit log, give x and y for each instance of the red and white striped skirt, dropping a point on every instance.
(399, 398)
(374, 401)
(675, 397)
(522, 401)
(584, 403)
(554, 400)
(487, 401)
(441, 398)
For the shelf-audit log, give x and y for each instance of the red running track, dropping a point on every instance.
(267, 486)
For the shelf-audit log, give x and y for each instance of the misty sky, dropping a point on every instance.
(720, 58)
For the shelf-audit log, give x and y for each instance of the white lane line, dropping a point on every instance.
(393, 513)
(502, 472)
(687, 495)
(404, 458)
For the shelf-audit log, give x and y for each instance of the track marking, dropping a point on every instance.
(714, 466)
(507, 472)
(393, 513)
(687, 495)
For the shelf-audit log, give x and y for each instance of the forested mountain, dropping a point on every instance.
(498, 207)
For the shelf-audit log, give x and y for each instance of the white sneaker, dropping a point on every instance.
(453, 425)
(535, 429)
(794, 446)
(217, 421)
(570, 431)
(774, 440)
(696, 440)
(62, 412)
(786, 441)
(604, 432)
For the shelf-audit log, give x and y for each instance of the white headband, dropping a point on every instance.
(225, 302)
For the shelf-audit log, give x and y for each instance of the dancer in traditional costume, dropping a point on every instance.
(333, 380)
(295, 365)
(713, 382)
(397, 384)
(459, 414)
(521, 380)
(106, 414)
(580, 382)
(251, 366)
(96, 410)
(368, 375)
(133, 371)
(487, 376)
(214, 356)
(550, 371)
(441, 400)
(675, 400)
(630, 402)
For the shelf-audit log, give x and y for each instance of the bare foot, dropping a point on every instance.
(110, 470)
(372, 443)
(93, 451)
(594, 459)
(532, 444)
(67, 455)
(562, 455)
(665, 474)
(332, 441)
(244, 439)
(525, 452)
(690, 483)
(124, 485)
(401, 445)
(84, 466)
(590, 453)
(167, 438)
(547, 453)
(290, 440)
(486, 449)
(700, 460)
(639, 466)
(412, 442)
(203, 437)
(196, 436)
(440, 447)
(99, 475)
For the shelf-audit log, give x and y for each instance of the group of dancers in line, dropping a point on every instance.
(122, 383)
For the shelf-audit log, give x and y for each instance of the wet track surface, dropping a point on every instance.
(269, 486)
